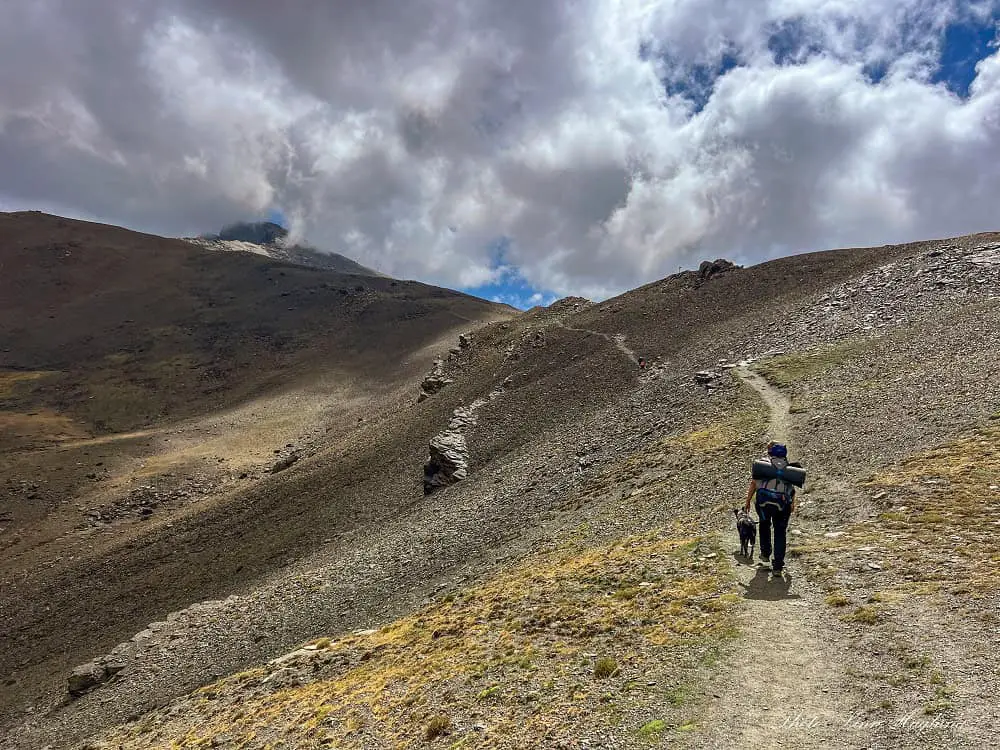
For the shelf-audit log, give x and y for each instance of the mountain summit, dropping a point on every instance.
(270, 240)
(259, 233)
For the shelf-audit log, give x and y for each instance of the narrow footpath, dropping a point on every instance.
(618, 340)
(784, 682)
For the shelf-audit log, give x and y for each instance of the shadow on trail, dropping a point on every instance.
(741, 560)
(772, 589)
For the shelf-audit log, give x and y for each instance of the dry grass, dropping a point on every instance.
(938, 531)
(786, 370)
(15, 382)
(720, 436)
(510, 653)
(658, 467)
(605, 667)
(945, 505)
(837, 599)
(42, 425)
(864, 615)
(438, 725)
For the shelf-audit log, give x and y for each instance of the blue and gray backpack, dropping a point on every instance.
(776, 493)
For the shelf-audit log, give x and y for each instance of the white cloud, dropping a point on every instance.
(411, 136)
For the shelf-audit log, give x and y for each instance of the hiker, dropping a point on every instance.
(642, 363)
(775, 501)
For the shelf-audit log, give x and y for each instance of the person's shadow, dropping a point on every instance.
(769, 587)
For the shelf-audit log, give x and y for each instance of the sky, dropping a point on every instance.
(523, 150)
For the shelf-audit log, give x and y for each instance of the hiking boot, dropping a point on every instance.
(765, 558)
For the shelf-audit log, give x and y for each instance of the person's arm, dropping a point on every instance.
(750, 491)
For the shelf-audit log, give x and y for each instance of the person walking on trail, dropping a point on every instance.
(775, 502)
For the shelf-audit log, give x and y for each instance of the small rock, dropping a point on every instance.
(705, 377)
(285, 463)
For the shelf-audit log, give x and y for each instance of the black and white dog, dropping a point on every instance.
(748, 532)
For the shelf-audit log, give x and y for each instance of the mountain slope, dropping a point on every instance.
(155, 329)
(594, 526)
(145, 381)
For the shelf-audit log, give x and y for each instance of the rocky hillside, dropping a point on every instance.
(534, 545)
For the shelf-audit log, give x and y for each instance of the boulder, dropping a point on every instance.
(447, 461)
(711, 268)
(434, 383)
(86, 677)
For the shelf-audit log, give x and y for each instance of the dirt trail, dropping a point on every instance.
(618, 340)
(784, 684)
(777, 403)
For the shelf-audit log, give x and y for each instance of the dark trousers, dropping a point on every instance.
(778, 519)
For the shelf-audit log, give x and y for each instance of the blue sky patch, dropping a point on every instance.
(876, 71)
(964, 45)
(789, 42)
(694, 82)
(275, 216)
(510, 287)
(514, 292)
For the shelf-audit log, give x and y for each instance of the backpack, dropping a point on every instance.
(776, 494)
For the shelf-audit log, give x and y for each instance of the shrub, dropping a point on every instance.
(605, 667)
(437, 726)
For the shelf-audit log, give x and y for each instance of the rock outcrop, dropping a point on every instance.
(434, 381)
(448, 452)
(448, 461)
(86, 677)
(144, 646)
(710, 268)
(707, 378)
(707, 269)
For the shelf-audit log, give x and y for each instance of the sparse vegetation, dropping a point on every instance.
(941, 701)
(437, 726)
(652, 730)
(864, 615)
(488, 693)
(605, 667)
(837, 599)
(15, 382)
(939, 497)
(678, 696)
(786, 370)
(513, 641)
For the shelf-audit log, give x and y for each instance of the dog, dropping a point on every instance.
(748, 532)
